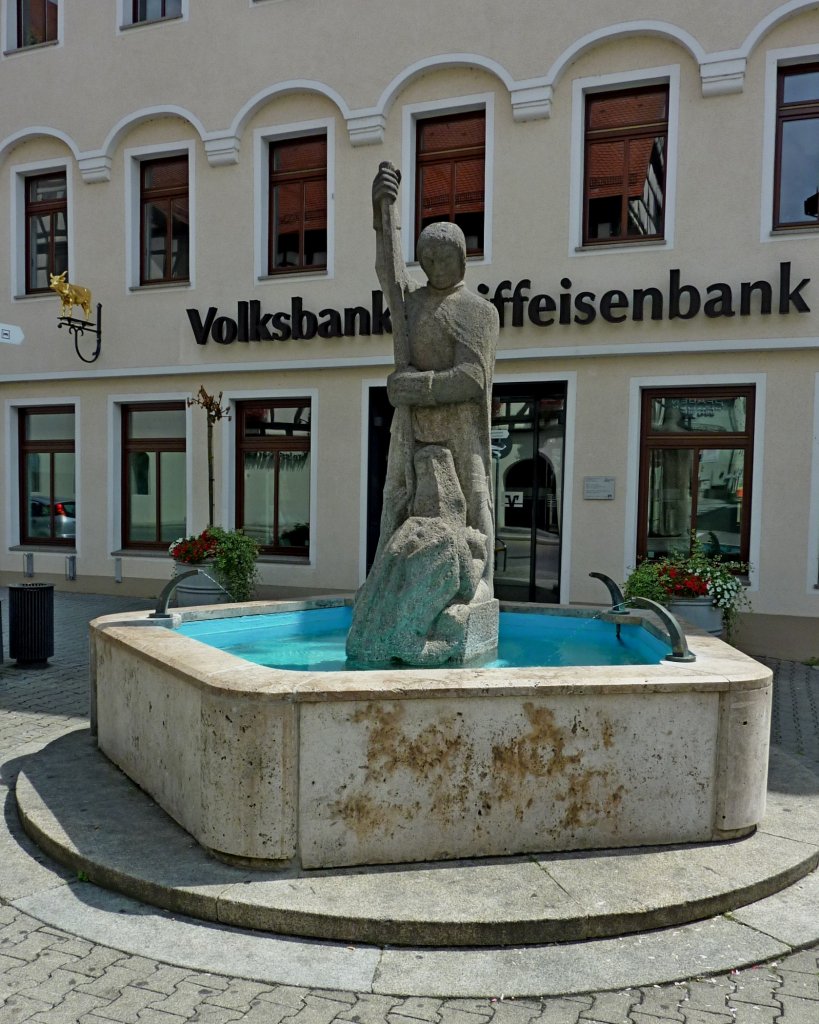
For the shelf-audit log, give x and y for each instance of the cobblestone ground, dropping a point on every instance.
(50, 977)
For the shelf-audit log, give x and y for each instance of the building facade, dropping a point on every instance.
(640, 199)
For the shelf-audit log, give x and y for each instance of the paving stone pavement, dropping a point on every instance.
(48, 976)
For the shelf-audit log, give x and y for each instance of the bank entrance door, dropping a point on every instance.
(528, 427)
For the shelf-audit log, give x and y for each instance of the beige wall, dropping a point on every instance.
(184, 82)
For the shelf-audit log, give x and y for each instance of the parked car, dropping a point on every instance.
(65, 522)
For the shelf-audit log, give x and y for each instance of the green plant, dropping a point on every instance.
(235, 562)
(232, 553)
(683, 575)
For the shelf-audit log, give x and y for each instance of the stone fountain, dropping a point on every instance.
(440, 759)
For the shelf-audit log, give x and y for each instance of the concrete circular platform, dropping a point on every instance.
(86, 814)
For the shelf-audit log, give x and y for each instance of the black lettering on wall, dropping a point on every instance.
(721, 301)
(610, 301)
(356, 321)
(201, 330)
(638, 298)
(746, 290)
(676, 291)
(584, 304)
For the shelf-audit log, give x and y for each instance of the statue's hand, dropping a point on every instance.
(385, 185)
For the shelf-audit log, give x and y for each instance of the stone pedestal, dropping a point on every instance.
(426, 601)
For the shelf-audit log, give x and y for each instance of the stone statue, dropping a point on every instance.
(428, 598)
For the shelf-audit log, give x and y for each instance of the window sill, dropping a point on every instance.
(288, 275)
(30, 296)
(809, 230)
(620, 246)
(284, 559)
(140, 553)
(45, 548)
(159, 286)
(34, 46)
(151, 21)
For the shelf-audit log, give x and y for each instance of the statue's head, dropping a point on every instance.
(441, 252)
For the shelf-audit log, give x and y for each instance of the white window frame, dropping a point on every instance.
(637, 386)
(9, 31)
(17, 222)
(228, 469)
(116, 467)
(12, 453)
(134, 158)
(581, 88)
(126, 19)
(414, 112)
(776, 59)
(262, 137)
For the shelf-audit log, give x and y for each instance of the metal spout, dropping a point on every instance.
(618, 600)
(679, 645)
(164, 598)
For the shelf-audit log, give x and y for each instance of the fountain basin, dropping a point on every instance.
(274, 767)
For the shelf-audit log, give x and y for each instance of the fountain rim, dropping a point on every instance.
(718, 667)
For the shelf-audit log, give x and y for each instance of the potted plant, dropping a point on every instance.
(235, 562)
(702, 588)
(228, 561)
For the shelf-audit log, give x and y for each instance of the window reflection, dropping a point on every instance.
(46, 229)
(625, 157)
(165, 220)
(700, 415)
(695, 476)
(274, 474)
(298, 204)
(796, 200)
(527, 464)
(154, 474)
(47, 493)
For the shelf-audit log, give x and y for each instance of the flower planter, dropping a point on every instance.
(199, 589)
(700, 612)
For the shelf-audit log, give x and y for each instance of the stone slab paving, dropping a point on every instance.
(54, 974)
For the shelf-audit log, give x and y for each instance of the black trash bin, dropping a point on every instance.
(31, 624)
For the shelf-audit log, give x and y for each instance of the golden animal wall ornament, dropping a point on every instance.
(70, 295)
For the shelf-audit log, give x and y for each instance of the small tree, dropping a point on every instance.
(212, 404)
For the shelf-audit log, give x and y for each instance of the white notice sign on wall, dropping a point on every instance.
(598, 488)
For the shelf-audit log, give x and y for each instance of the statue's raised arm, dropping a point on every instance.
(389, 260)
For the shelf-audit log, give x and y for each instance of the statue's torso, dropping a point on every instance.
(431, 319)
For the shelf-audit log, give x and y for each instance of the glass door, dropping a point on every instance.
(528, 427)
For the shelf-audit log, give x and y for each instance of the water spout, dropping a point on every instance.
(679, 645)
(162, 602)
(618, 600)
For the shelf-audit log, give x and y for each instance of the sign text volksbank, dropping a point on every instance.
(516, 307)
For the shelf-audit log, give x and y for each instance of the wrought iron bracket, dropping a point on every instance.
(79, 327)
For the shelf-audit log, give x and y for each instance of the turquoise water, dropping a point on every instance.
(314, 641)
